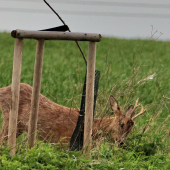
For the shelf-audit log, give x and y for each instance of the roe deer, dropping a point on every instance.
(56, 122)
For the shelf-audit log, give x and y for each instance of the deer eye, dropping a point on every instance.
(121, 124)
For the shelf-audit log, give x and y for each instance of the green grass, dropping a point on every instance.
(125, 66)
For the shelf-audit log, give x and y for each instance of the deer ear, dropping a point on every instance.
(130, 111)
(114, 106)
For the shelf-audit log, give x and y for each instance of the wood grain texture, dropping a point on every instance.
(89, 95)
(36, 92)
(17, 61)
(49, 35)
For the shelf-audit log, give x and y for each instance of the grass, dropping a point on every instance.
(129, 69)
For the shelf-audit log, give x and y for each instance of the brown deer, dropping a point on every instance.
(56, 122)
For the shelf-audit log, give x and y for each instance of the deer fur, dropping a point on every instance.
(55, 122)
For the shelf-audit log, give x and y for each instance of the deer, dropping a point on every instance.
(57, 123)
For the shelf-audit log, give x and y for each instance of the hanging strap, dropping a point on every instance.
(68, 30)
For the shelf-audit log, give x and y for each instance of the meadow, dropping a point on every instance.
(130, 69)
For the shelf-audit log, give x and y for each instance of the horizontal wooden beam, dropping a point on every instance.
(49, 35)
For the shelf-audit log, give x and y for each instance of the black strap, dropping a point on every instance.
(76, 142)
(62, 28)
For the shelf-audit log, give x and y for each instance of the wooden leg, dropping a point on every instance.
(36, 92)
(89, 96)
(13, 116)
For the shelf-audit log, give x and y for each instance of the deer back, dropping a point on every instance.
(54, 121)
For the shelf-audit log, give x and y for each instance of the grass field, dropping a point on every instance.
(129, 69)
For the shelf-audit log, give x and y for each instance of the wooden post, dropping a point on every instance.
(89, 95)
(36, 92)
(15, 89)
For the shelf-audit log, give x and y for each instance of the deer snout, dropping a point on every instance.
(119, 142)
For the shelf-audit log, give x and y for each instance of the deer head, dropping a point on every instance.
(122, 123)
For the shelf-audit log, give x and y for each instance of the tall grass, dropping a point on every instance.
(129, 69)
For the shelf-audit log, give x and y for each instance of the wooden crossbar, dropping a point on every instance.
(54, 35)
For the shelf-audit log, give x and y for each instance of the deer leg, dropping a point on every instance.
(4, 133)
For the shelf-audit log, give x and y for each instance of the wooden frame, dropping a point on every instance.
(42, 36)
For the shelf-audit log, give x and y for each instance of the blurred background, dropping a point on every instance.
(129, 19)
